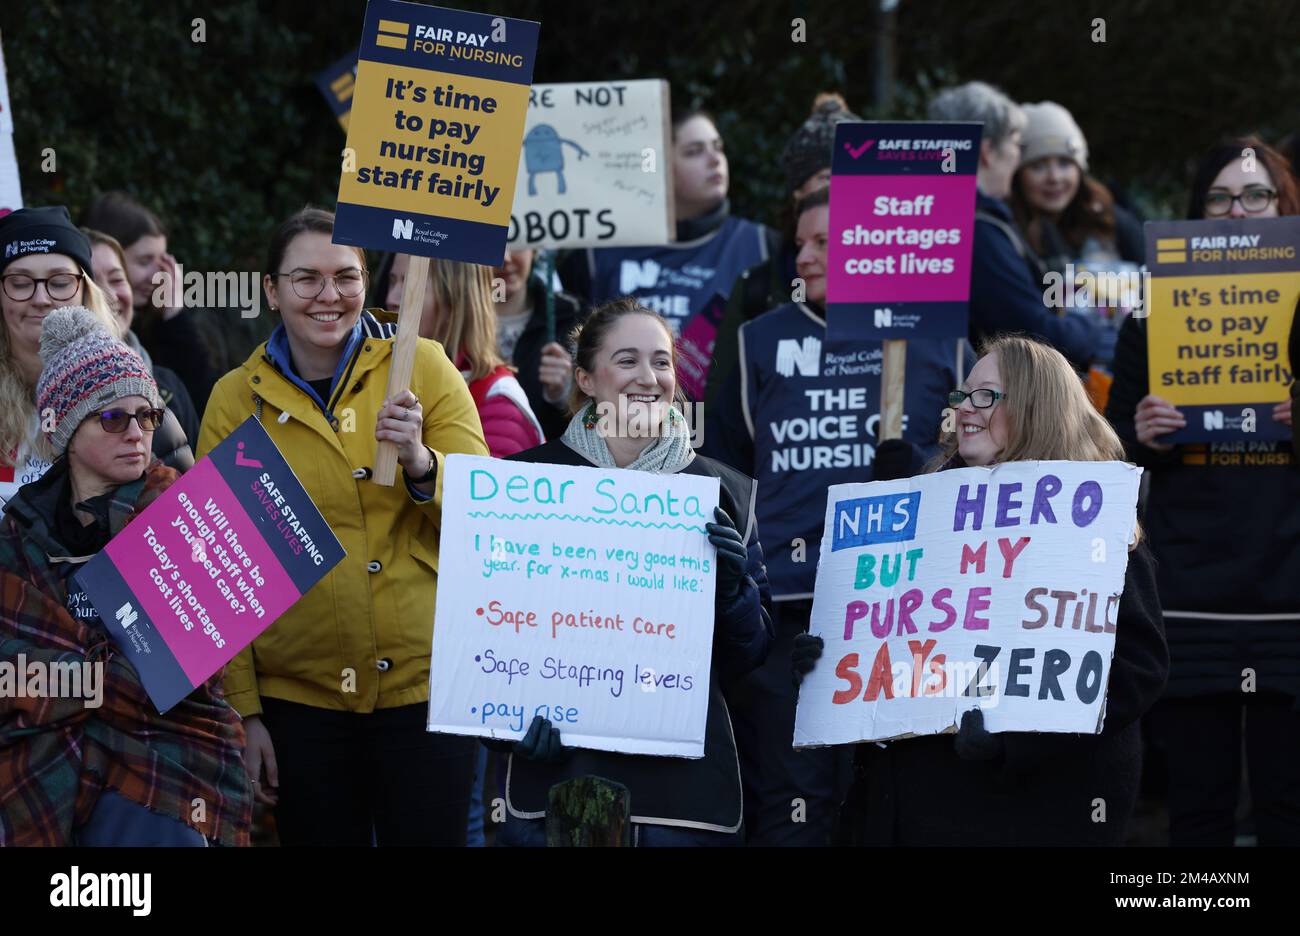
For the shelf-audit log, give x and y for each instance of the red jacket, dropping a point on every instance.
(509, 425)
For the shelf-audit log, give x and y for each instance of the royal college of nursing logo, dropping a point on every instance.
(805, 357)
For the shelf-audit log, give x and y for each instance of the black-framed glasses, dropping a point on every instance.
(982, 398)
(60, 287)
(309, 284)
(116, 421)
(1253, 200)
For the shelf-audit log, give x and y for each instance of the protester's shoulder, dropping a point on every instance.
(731, 477)
(233, 384)
(554, 452)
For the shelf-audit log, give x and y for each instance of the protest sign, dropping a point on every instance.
(992, 588)
(336, 84)
(695, 347)
(1222, 296)
(593, 172)
(578, 594)
(435, 130)
(901, 222)
(210, 564)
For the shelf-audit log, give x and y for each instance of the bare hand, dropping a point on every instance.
(169, 266)
(259, 755)
(1156, 417)
(1282, 412)
(401, 421)
(554, 371)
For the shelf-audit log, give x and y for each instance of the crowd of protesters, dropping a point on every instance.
(109, 390)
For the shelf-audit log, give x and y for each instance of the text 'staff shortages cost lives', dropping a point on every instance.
(1223, 295)
(901, 222)
(436, 129)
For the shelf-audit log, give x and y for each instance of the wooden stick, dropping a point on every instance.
(403, 360)
(892, 374)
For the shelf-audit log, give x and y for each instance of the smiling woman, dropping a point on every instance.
(333, 696)
(46, 264)
(100, 409)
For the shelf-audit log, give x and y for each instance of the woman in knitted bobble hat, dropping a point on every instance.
(99, 765)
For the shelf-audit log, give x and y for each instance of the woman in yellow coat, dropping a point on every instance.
(334, 693)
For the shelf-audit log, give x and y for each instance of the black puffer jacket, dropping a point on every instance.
(1223, 521)
(1045, 788)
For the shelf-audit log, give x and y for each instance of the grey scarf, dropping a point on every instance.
(667, 453)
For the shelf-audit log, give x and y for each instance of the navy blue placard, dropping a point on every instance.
(406, 47)
(133, 631)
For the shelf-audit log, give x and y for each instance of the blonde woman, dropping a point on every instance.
(46, 263)
(1023, 402)
(458, 314)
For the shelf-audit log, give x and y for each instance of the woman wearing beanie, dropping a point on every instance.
(625, 350)
(104, 768)
(45, 262)
(712, 248)
(334, 696)
(1069, 218)
(1231, 602)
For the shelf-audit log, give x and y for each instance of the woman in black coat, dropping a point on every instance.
(625, 354)
(1022, 788)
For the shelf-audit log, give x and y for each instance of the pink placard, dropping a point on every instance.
(885, 268)
(191, 578)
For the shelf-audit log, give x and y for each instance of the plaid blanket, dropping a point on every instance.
(57, 754)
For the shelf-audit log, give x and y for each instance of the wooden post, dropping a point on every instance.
(403, 360)
(892, 374)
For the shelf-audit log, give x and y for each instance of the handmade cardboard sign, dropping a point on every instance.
(596, 170)
(579, 594)
(992, 588)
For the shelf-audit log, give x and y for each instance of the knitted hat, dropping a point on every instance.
(86, 369)
(809, 151)
(1051, 131)
(42, 230)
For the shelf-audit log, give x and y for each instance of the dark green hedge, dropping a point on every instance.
(225, 136)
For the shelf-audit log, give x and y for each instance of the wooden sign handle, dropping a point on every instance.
(892, 374)
(403, 360)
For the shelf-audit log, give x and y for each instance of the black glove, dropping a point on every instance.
(733, 557)
(804, 656)
(542, 743)
(894, 459)
(972, 742)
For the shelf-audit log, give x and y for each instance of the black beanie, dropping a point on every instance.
(809, 151)
(42, 231)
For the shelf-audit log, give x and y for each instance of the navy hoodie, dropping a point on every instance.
(798, 415)
(1006, 294)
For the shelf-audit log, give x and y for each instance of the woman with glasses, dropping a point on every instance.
(1022, 401)
(334, 695)
(45, 262)
(102, 767)
(1224, 524)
